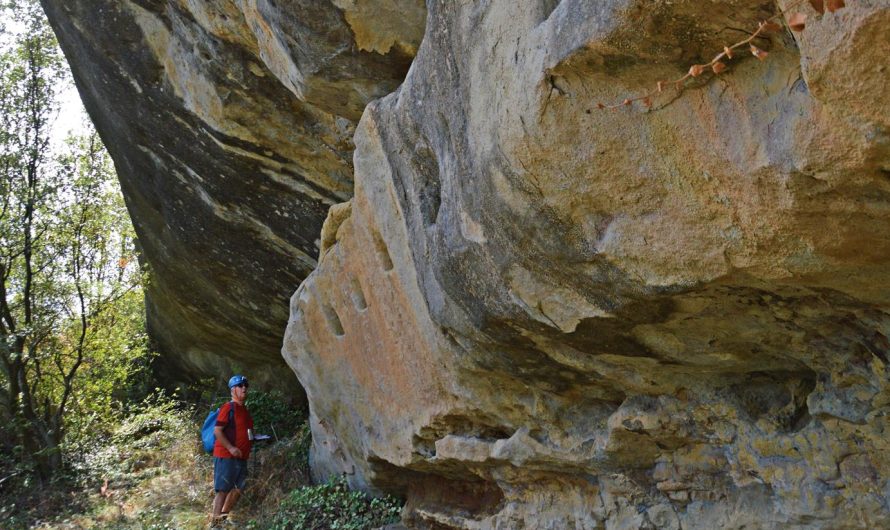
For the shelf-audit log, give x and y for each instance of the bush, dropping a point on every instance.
(25, 499)
(157, 476)
(140, 439)
(157, 437)
(331, 506)
(272, 414)
(274, 472)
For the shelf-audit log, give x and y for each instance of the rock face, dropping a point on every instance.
(537, 314)
(525, 312)
(230, 123)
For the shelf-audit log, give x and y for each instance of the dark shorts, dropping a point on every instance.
(229, 473)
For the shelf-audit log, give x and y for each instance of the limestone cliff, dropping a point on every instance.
(230, 123)
(526, 312)
(537, 314)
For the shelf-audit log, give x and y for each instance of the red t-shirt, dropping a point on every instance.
(242, 421)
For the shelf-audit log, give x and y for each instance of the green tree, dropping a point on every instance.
(67, 268)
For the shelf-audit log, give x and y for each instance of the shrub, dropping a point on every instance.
(272, 414)
(139, 441)
(331, 506)
(275, 471)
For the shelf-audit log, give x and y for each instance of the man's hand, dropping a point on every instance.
(221, 438)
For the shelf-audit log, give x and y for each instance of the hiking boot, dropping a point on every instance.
(224, 523)
(229, 524)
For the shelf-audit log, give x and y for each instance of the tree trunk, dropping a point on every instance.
(45, 448)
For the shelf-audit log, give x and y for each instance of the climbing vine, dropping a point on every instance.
(796, 21)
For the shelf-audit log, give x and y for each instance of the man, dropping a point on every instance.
(231, 450)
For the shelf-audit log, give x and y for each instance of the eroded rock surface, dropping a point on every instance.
(536, 314)
(230, 123)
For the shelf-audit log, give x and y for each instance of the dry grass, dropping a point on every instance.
(274, 472)
(175, 489)
(150, 473)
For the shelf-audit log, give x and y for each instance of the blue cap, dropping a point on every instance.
(237, 380)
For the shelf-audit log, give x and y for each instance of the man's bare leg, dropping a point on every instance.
(218, 502)
(231, 499)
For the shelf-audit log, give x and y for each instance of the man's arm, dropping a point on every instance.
(221, 438)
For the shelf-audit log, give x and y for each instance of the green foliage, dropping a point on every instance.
(331, 506)
(272, 414)
(72, 339)
(302, 445)
(142, 437)
(152, 447)
(152, 465)
(116, 374)
(278, 469)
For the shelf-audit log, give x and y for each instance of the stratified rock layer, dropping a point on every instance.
(230, 123)
(537, 314)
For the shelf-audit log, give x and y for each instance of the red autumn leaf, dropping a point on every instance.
(718, 67)
(818, 6)
(797, 21)
(647, 101)
(770, 27)
(626, 102)
(834, 5)
(600, 106)
(757, 52)
(728, 51)
(696, 70)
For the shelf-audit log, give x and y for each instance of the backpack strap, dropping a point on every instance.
(231, 422)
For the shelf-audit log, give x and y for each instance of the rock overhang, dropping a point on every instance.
(230, 124)
(532, 312)
(673, 316)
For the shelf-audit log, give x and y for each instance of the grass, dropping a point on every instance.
(157, 477)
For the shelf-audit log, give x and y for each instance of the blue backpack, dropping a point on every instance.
(207, 436)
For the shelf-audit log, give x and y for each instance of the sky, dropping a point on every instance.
(72, 117)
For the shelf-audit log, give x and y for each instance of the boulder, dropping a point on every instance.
(535, 313)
